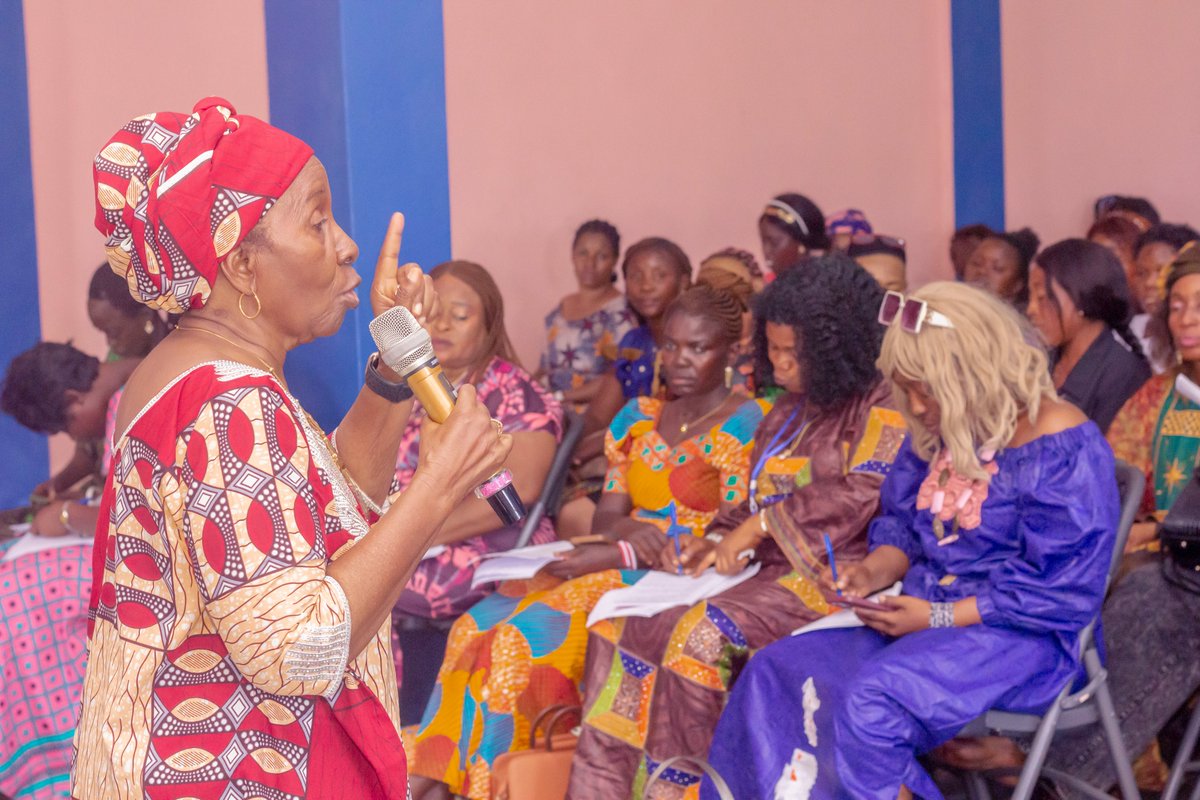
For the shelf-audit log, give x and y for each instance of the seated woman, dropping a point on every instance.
(1119, 236)
(1080, 303)
(521, 649)
(737, 272)
(656, 270)
(55, 388)
(654, 687)
(792, 230)
(999, 515)
(1000, 264)
(44, 595)
(470, 341)
(1150, 431)
(131, 330)
(963, 244)
(583, 330)
(1153, 254)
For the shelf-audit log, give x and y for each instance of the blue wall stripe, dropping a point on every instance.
(364, 83)
(978, 112)
(24, 455)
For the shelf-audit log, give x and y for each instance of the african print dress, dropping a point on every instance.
(440, 587)
(521, 650)
(637, 364)
(1158, 431)
(219, 656)
(580, 350)
(655, 687)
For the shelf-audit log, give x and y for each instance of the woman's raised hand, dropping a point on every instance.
(464, 451)
(396, 285)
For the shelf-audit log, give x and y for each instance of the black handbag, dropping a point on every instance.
(1179, 534)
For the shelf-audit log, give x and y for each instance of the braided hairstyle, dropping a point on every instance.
(602, 227)
(833, 306)
(719, 296)
(1092, 276)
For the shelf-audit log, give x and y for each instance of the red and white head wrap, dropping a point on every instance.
(175, 193)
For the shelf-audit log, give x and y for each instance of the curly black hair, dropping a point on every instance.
(833, 304)
(36, 384)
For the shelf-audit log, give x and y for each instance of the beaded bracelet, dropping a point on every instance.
(941, 615)
(628, 556)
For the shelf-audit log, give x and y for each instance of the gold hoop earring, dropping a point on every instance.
(728, 377)
(257, 303)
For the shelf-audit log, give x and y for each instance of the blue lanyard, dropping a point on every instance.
(778, 445)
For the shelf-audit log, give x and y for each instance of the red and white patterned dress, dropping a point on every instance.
(218, 662)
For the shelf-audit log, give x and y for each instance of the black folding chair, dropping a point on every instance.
(1091, 705)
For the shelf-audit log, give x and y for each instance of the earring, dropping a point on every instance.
(728, 377)
(148, 327)
(257, 303)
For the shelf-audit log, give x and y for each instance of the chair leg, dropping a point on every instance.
(977, 787)
(1187, 748)
(1116, 745)
(1040, 747)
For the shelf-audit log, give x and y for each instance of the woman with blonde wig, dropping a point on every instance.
(998, 517)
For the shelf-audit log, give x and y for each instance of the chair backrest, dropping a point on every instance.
(1131, 484)
(556, 478)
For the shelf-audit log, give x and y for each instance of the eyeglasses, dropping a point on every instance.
(913, 314)
(872, 238)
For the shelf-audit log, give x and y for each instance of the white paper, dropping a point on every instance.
(846, 618)
(658, 591)
(517, 564)
(30, 543)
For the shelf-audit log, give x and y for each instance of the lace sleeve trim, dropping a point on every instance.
(322, 652)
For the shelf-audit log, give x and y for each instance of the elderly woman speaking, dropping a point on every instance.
(244, 569)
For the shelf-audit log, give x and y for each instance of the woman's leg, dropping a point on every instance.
(923, 688)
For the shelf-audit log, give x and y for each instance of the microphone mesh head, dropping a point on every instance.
(403, 344)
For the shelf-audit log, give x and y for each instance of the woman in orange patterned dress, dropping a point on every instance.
(239, 610)
(521, 650)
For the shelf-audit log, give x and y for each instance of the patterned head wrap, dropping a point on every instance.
(175, 193)
(851, 221)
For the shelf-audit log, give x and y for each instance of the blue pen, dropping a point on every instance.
(674, 532)
(832, 563)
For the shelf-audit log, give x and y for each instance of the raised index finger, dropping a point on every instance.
(389, 253)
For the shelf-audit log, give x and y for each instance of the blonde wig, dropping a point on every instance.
(984, 373)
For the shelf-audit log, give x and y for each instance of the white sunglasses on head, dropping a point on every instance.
(913, 314)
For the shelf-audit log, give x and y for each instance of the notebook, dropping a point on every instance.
(846, 618)
(524, 562)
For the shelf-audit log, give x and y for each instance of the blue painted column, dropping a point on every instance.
(364, 83)
(978, 113)
(24, 456)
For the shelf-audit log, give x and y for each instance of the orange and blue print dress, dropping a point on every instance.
(522, 649)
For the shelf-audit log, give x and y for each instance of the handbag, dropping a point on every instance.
(719, 783)
(1179, 534)
(541, 772)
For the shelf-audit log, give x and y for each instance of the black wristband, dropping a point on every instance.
(392, 392)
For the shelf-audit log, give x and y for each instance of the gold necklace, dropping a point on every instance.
(684, 427)
(243, 348)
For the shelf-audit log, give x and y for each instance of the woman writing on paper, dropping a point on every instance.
(999, 515)
(521, 649)
(656, 686)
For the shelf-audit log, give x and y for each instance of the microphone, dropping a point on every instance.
(405, 347)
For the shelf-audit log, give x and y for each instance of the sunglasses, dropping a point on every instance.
(913, 314)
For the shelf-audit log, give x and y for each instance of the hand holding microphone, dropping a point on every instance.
(405, 347)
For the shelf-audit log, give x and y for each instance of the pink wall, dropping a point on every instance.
(683, 123)
(1098, 99)
(92, 67)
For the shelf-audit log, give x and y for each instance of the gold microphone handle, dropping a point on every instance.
(434, 390)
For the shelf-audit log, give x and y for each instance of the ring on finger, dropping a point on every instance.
(499, 426)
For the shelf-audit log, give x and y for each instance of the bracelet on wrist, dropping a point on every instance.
(628, 556)
(941, 615)
(392, 392)
(64, 516)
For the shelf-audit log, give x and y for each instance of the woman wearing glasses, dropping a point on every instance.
(999, 517)
(654, 686)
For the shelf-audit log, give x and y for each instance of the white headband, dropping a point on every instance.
(796, 219)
